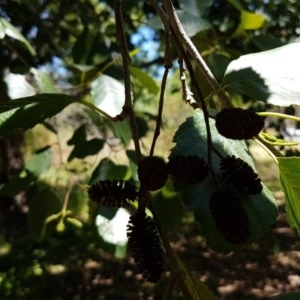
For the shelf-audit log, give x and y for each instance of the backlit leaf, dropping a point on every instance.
(250, 21)
(8, 29)
(108, 94)
(24, 113)
(290, 177)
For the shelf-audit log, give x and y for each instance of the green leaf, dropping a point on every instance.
(273, 140)
(24, 113)
(17, 185)
(195, 6)
(192, 288)
(146, 80)
(287, 296)
(191, 139)
(7, 29)
(251, 21)
(91, 147)
(236, 4)
(272, 76)
(84, 47)
(108, 94)
(266, 42)
(169, 207)
(289, 168)
(39, 162)
(84, 73)
(122, 131)
(44, 81)
(109, 170)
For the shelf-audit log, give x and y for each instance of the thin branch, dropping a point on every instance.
(196, 85)
(168, 65)
(184, 39)
(128, 107)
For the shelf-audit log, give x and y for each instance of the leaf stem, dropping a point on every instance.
(95, 108)
(272, 151)
(278, 115)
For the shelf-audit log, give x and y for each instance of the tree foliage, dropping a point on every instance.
(226, 54)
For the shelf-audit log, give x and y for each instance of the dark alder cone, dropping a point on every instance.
(112, 193)
(152, 172)
(144, 245)
(238, 123)
(189, 169)
(241, 175)
(229, 216)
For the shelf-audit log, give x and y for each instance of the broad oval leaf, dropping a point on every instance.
(289, 168)
(261, 209)
(24, 113)
(272, 76)
(108, 94)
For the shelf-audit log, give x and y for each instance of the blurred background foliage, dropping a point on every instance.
(51, 243)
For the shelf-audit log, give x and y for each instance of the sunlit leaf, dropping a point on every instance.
(18, 86)
(8, 29)
(261, 209)
(108, 94)
(24, 113)
(113, 231)
(251, 21)
(146, 80)
(272, 76)
(290, 177)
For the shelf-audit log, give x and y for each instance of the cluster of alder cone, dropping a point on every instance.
(226, 208)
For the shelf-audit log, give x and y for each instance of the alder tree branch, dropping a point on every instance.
(184, 39)
(128, 107)
(168, 66)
